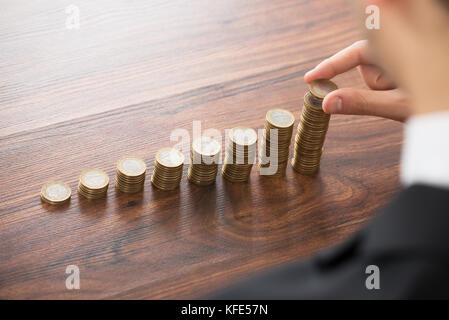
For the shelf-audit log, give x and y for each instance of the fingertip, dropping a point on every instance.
(333, 103)
(308, 76)
(321, 71)
(325, 107)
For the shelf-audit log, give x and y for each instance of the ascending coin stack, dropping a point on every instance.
(204, 156)
(168, 167)
(93, 184)
(312, 128)
(55, 193)
(275, 146)
(240, 154)
(130, 176)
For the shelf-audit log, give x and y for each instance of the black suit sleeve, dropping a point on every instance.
(408, 242)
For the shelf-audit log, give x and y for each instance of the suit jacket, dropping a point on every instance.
(408, 242)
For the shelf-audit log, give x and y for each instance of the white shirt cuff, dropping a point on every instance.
(425, 153)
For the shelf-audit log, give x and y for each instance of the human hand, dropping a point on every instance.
(412, 45)
(383, 100)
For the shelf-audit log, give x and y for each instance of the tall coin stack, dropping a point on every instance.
(275, 146)
(204, 156)
(130, 174)
(168, 167)
(93, 184)
(240, 154)
(312, 128)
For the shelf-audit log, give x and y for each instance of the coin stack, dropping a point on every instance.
(55, 193)
(130, 176)
(240, 154)
(168, 167)
(312, 128)
(93, 184)
(204, 156)
(275, 146)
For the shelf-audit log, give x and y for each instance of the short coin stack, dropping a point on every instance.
(55, 193)
(168, 167)
(275, 145)
(240, 154)
(204, 156)
(130, 174)
(93, 184)
(312, 128)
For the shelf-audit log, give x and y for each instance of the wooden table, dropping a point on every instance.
(72, 99)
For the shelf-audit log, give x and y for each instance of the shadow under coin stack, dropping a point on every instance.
(204, 156)
(240, 154)
(280, 121)
(312, 128)
(56, 193)
(93, 184)
(168, 167)
(130, 174)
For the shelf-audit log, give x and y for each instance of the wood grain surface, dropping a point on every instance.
(134, 72)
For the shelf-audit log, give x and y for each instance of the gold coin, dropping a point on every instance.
(129, 189)
(280, 118)
(132, 166)
(130, 175)
(322, 87)
(243, 136)
(275, 146)
(206, 146)
(93, 184)
(311, 101)
(162, 185)
(55, 192)
(236, 173)
(240, 154)
(170, 157)
(90, 195)
(168, 169)
(94, 179)
(85, 190)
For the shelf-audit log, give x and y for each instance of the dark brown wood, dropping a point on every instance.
(119, 87)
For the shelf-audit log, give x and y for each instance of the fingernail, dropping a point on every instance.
(335, 105)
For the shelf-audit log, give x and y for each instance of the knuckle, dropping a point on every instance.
(355, 102)
(331, 65)
(361, 103)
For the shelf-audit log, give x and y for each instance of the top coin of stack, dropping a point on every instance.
(240, 154)
(130, 174)
(55, 193)
(93, 184)
(276, 142)
(312, 128)
(168, 167)
(205, 156)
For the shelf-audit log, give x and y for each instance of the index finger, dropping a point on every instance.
(344, 60)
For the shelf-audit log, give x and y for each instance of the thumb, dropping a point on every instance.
(391, 104)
